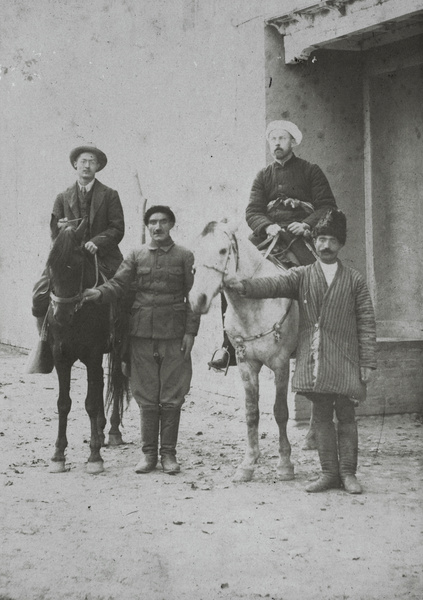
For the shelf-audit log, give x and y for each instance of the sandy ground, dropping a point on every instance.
(198, 536)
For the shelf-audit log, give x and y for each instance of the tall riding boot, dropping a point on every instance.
(348, 451)
(150, 418)
(169, 427)
(328, 455)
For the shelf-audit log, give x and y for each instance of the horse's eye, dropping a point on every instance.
(193, 270)
(223, 251)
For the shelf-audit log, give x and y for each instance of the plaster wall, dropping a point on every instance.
(323, 96)
(171, 90)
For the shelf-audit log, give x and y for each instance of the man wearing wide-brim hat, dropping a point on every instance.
(90, 198)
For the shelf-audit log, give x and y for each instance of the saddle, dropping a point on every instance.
(286, 250)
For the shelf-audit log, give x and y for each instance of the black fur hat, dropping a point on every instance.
(159, 208)
(333, 223)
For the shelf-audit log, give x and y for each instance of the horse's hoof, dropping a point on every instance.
(94, 468)
(243, 474)
(115, 439)
(310, 444)
(285, 474)
(57, 466)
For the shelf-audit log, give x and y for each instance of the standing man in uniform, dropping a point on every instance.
(336, 348)
(162, 329)
(90, 198)
(287, 199)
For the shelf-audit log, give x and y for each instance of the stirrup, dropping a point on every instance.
(223, 368)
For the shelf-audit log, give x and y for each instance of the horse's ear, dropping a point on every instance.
(232, 226)
(80, 230)
(54, 228)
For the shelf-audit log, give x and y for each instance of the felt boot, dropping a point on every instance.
(328, 455)
(348, 451)
(169, 427)
(150, 418)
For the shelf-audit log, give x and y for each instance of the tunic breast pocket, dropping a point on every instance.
(175, 277)
(143, 276)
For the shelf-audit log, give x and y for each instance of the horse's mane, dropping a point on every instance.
(62, 251)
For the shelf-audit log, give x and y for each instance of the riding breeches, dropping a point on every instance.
(160, 375)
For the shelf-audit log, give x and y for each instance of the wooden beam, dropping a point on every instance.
(310, 31)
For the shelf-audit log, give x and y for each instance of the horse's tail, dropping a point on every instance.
(118, 392)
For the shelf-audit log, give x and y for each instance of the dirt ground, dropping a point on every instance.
(198, 536)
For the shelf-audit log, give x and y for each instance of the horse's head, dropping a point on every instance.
(65, 264)
(216, 255)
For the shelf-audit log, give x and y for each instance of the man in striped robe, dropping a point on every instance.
(336, 348)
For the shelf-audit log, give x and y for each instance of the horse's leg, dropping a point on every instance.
(64, 404)
(101, 423)
(285, 468)
(115, 436)
(94, 407)
(250, 380)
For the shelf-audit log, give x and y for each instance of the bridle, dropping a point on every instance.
(233, 249)
(77, 300)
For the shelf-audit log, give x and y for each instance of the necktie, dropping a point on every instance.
(83, 191)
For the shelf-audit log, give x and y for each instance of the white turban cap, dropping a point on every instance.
(288, 126)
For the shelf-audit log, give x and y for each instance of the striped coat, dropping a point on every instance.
(337, 331)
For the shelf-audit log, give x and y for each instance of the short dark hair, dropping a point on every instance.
(159, 208)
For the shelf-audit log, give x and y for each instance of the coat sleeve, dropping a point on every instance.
(119, 284)
(322, 197)
(192, 319)
(281, 286)
(366, 325)
(256, 211)
(58, 212)
(115, 228)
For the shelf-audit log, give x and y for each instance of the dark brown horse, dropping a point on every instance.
(78, 331)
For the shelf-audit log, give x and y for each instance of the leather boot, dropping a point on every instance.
(328, 455)
(150, 418)
(169, 427)
(348, 451)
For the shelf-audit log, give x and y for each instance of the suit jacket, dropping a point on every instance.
(106, 222)
(337, 330)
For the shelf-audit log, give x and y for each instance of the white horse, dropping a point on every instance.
(263, 332)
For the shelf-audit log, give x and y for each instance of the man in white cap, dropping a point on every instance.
(288, 196)
(90, 198)
(287, 199)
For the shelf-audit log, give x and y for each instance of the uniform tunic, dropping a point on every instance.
(337, 331)
(160, 317)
